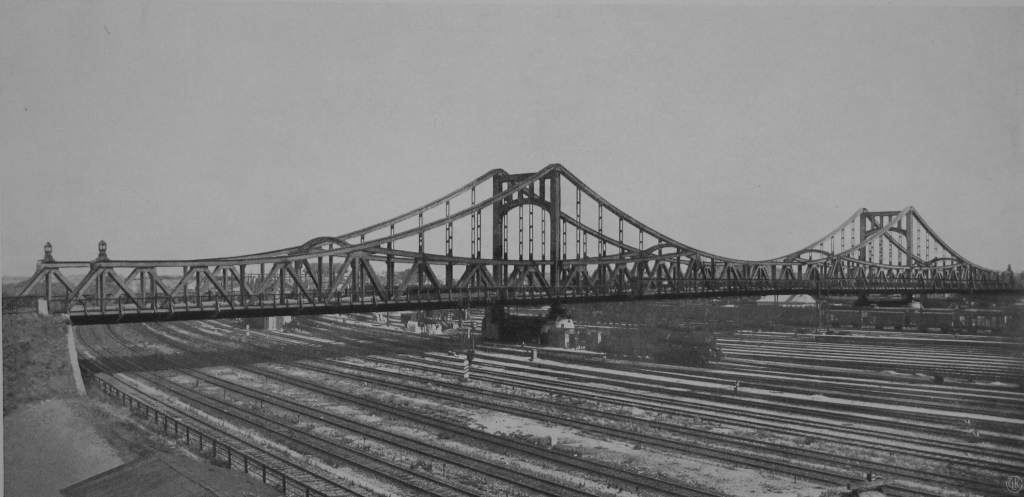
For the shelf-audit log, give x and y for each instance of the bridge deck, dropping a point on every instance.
(210, 306)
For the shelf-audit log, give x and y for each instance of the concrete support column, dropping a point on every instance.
(76, 371)
(494, 318)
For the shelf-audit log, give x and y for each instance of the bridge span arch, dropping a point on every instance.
(504, 238)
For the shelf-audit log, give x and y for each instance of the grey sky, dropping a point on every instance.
(191, 129)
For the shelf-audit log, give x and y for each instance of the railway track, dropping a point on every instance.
(633, 480)
(418, 482)
(426, 483)
(1004, 404)
(946, 455)
(937, 423)
(254, 458)
(882, 337)
(886, 375)
(878, 411)
(495, 442)
(839, 423)
(921, 475)
(789, 455)
(945, 360)
(989, 395)
(962, 463)
(718, 413)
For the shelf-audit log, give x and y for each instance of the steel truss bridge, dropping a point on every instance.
(532, 238)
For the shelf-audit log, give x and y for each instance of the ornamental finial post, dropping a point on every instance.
(103, 252)
(48, 252)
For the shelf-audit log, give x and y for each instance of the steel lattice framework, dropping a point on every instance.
(532, 238)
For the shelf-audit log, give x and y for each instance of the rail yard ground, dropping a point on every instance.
(350, 405)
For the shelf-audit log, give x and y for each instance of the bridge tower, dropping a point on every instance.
(547, 193)
(872, 221)
(900, 232)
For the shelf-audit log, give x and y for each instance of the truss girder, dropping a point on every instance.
(550, 237)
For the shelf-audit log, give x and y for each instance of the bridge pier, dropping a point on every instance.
(494, 319)
(501, 325)
(270, 323)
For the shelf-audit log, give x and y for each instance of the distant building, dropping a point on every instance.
(801, 300)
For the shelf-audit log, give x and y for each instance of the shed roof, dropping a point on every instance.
(165, 475)
(798, 300)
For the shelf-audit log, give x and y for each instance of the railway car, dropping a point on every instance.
(976, 320)
(935, 320)
(847, 318)
(896, 320)
(799, 317)
(692, 348)
(663, 344)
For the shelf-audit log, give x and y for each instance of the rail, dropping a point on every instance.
(217, 449)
